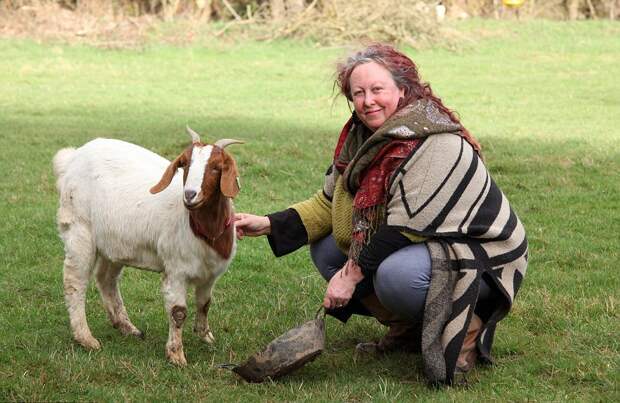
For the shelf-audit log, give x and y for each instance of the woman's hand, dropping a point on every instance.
(251, 225)
(342, 284)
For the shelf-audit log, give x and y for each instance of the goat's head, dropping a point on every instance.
(207, 170)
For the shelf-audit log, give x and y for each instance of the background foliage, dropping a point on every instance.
(414, 23)
(226, 9)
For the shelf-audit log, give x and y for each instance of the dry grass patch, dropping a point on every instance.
(94, 24)
(326, 23)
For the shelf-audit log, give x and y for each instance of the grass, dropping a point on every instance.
(542, 97)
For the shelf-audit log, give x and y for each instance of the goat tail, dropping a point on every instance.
(61, 161)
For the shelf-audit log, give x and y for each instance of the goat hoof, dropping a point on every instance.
(176, 358)
(89, 343)
(209, 337)
(128, 329)
(139, 334)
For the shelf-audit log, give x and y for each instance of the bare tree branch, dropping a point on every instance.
(232, 10)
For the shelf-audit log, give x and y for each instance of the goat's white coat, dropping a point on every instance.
(107, 213)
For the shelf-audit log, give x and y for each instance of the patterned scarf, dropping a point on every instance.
(368, 161)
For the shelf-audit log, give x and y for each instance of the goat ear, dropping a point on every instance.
(229, 182)
(169, 173)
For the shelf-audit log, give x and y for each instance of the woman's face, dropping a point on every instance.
(374, 93)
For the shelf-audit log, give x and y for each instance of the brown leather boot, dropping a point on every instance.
(469, 353)
(401, 335)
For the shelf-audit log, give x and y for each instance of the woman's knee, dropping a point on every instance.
(402, 280)
(410, 267)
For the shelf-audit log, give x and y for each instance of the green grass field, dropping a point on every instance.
(542, 97)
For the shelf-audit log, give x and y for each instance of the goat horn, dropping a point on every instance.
(222, 143)
(195, 136)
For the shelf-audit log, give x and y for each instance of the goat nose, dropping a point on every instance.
(189, 195)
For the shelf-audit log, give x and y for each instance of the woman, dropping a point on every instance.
(409, 227)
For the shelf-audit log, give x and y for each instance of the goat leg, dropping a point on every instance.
(174, 297)
(203, 302)
(78, 265)
(108, 275)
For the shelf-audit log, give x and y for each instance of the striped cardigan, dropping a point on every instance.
(444, 192)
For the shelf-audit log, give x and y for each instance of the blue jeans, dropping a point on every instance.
(401, 281)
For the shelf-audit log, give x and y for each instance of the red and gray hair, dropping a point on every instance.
(404, 73)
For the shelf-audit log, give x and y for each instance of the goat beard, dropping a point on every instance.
(211, 219)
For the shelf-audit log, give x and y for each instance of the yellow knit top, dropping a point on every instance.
(322, 217)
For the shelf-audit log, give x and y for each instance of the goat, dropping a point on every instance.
(183, 228)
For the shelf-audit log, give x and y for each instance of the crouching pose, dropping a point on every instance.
(122, 205)
(409, 226)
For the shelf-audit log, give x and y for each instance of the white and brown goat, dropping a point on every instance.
(111, 216)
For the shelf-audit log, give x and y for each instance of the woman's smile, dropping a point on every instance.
(374, 93)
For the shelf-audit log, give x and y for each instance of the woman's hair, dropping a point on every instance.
(405, 75)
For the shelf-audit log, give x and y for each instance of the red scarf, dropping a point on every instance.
(376, 178)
